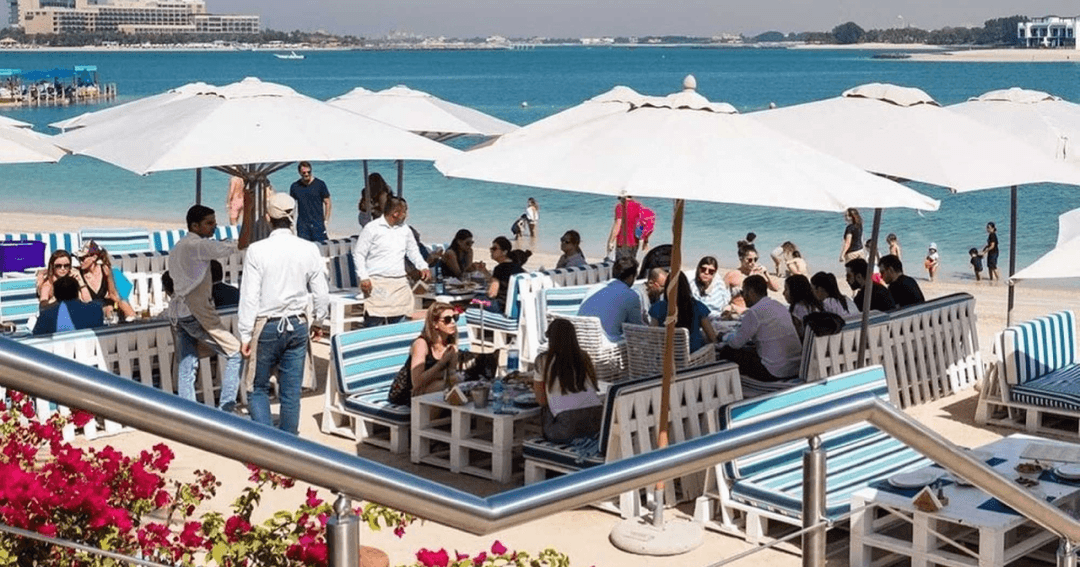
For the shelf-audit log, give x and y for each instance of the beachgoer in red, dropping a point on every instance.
(622, 238)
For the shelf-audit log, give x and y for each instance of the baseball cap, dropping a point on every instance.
(280, 206)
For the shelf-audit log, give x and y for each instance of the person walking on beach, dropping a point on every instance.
(532, 216)
(852, 247)
(282, 273)
(894, 245)
(379, 255)
(234, 201)
(991, 251)
(622, 238)
(191, 308)
(312, 204)
(932, 262)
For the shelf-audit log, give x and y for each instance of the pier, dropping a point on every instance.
(57, 87)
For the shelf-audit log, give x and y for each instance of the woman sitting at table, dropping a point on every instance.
(458, 257)
(60, 265)
(566, 387)
(748, 266)
(801, 300)
(572, 256)
(432, 355)
(96, 277)
(505, 267)
(693, 314)
(827, 290)
(708, 289)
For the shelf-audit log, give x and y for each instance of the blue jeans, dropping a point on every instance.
(374, 321)
(283, 342)
(189, 333)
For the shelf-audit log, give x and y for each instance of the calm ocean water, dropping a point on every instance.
(549, 80)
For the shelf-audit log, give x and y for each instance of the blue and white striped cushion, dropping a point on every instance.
(343, 272)
(1035, 348)
(18, 299)
(1059, 389)
(564, 300)
(119, 240)
(225, 232)
(164, 240)
(373, 403)
(367, 359)
(490, 320)
(53, 241)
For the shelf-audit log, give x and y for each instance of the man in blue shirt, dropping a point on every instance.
(69, 313)
(312, 204)
(614, 303)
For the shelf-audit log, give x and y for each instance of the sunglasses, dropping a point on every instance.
(707, 270)
(751, 259)
(308, 172)
(59, 266)
(447, 319)
(564, 240)
(494, 248)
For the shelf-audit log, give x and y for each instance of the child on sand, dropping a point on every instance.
(932, 261)
(976, 263)
(894, 245)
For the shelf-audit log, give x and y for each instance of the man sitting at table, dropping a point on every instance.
(68, 314)
(880, 298)
(767, 323)
(614, 303)
(903, 288)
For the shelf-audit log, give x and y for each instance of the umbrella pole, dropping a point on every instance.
(198, 185)
(400, 178)
(1012, 257)
(669, 349)
(365, 193)
(868, 291)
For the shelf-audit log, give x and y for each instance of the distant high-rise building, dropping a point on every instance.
(125, 16)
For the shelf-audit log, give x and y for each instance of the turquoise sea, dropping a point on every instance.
(549, 80)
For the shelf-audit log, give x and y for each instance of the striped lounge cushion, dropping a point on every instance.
(368, 359)
(119, 240)
(164, 240)
(491, 320)
(1038, 347)
(1059, 389)
(18, 299)
(373, 403)
(225, 232)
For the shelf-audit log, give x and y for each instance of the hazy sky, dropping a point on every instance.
(578, 18)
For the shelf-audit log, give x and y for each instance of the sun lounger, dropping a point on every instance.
(119, 240)
(1037, 381)
(18, 300)
(629, 424)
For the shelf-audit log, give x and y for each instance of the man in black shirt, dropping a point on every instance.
(880, 299)
(903, 288)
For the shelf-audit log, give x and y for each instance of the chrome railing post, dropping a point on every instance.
(813, 504)
(1066, 554)
(343, 535)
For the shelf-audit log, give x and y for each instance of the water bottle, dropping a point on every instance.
(440, 288)
(497, 395)
(512, 360)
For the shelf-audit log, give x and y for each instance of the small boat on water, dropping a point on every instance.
(891, 55)
(290, 55)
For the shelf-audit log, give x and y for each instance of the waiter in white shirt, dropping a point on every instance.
(192, 308)
(281, 273)
(379, 254)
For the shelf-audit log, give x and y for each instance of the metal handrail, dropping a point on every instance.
(70, 383)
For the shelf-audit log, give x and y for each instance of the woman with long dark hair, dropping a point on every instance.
(853, 242)
(693, 314)
(566, 387)
(828, 292)
(801, 300)
(458, 257)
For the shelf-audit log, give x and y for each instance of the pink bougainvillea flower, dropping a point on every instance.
(460, 555)
(312, 498)
(498, 548)
(429, 558)
(81, 418)
(480, 558)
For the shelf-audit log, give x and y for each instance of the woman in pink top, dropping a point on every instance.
(566, 387)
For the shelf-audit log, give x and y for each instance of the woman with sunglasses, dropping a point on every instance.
(566, 387)
(748, 266)
(572, 256)
(433, 354)
(708, 289)
(60, 265)
(458, 257)
(505, 267)
(97, 279)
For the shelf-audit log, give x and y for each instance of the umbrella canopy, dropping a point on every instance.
(243, 123)
(114, 112)
(903, 133)
(1061, 261)
(1043, 120)
(5, 121)
(680, 146)
(421, 113)
(22, 145)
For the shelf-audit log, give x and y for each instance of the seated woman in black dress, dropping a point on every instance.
(505, 267)
(433, 354)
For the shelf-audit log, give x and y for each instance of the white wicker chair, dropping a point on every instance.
(645, 350)
(609, 358)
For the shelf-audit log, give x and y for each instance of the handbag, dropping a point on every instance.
(401, 388)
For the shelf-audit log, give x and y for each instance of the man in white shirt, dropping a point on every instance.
(768, 324)
(379, 254)
(280, 273)
(192, 308)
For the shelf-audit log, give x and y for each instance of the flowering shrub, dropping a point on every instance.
(499, 555)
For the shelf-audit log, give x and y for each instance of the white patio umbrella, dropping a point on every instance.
(1061, 262)
(902, 133)
(23, 145)
(249, 129)
(1047, 122)
(111, 113)
(681, 147)
(420, 113)
(5, 121)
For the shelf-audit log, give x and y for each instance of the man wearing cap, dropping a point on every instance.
(379, 254)
(281, 272)
(192, 306)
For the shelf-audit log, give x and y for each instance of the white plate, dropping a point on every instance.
(915, 479)
(1069, 472)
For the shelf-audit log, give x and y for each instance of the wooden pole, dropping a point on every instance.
(669, 338)
(868, 292)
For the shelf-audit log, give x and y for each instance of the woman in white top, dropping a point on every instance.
(566, 387)
(801, 300)
(827, 290)
(532, 214)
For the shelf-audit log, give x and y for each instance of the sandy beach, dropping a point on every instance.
(999, 55)
(582, 534)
